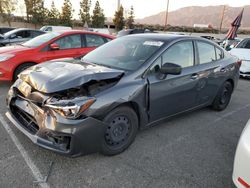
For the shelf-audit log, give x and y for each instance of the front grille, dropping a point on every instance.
(26, 121)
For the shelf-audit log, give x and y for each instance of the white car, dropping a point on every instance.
(50, 28)
(241, 171)
(242, 51)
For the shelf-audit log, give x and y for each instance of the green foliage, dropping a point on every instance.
(35, 11)
(130, 21)
(98, 18)
(67, 13)
(53, 15)
(84, 11)
(119, 19)
(39, 13)
(6, 9)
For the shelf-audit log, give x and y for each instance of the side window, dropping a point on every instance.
(36, 33)
(107, 39)
(48, 29)
(18, 35)
(27, 34)
(181, 53)
(69, 42)
(219, 54)
(94, 40)
(206, 52)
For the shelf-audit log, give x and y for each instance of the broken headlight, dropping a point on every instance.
(71, 108)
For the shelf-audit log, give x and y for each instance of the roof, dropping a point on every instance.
(157, 36)
(83, 32)
(165, 37)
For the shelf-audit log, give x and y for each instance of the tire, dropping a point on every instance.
(223, 97)
(21, 68)
(122, 126)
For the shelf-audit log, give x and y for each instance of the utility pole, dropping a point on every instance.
(118, 4)
(166, 18)
(222, 17)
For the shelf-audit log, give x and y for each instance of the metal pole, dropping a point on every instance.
(222, 17)
(118, 4)
(166, 18)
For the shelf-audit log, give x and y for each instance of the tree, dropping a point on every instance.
(98, 18)
(84, 11)
(130, 21)
(53, 15)
(39, 13)
(35, 11)
(29, 7)
(67, 13)
(6, 9)
(119, 19)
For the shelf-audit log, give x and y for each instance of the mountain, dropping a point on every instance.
(189, 16)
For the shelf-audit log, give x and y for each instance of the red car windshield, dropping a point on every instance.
(39, 40)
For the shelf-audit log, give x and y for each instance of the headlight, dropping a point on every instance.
(4, 57)
(71, 108)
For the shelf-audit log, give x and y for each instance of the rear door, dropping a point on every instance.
(92, 42)
(210, 71)
(171, 94)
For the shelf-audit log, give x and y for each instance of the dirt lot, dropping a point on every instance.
(193, 150)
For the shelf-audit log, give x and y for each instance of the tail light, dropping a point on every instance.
(239, 62)
(242, 182)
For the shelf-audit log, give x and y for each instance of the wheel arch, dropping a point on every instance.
(231, 81)
(20, 64)
(142, 117)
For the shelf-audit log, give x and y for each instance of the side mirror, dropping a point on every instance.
(171, 68)
(54, 46)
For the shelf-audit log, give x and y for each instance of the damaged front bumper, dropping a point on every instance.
(52, 131)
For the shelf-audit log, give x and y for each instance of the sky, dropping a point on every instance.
(143, 8)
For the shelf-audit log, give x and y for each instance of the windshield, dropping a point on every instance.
(37, 41)
(244, 44)
(6, 35)
(124, 53)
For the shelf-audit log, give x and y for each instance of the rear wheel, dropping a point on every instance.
(122, 126)
(223, 97)
(21, 68)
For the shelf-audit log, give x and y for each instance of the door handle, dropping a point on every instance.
(194, 76)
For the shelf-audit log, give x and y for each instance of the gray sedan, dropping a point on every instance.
(18, 36)
(99, 103)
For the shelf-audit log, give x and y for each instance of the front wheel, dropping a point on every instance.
(21, 68)
(223, 97)
(122, 126)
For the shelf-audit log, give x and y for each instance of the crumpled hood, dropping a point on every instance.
(60, 75)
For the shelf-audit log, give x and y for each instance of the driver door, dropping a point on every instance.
(171, 94)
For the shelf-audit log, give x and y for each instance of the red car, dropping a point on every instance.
(54, 45)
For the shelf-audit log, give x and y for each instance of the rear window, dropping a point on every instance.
(206, 52)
